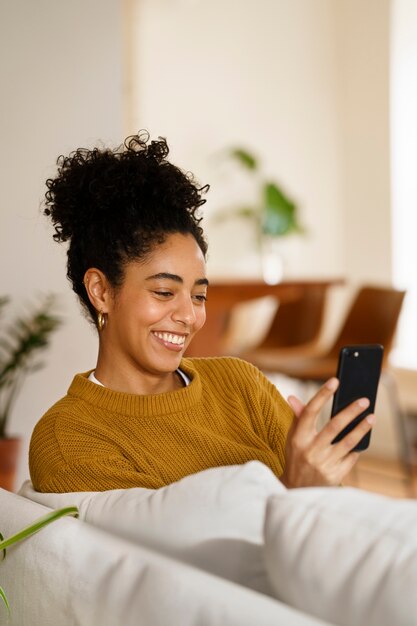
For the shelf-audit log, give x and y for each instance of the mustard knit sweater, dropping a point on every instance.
(96, 439)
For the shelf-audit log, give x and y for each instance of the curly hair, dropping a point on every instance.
(115, 206)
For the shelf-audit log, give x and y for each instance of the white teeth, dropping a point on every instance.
(175, 339)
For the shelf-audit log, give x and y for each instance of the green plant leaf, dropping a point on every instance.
(37, 525)
(5, 600)
(279, 211)
(245, 158)
(274, 213)
(274, 196)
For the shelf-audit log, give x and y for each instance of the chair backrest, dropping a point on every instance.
(298, 322)
(372, 318)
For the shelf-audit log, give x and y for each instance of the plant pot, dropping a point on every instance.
(272, 264)
(9, 456)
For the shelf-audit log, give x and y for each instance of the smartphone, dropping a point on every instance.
(358, 372)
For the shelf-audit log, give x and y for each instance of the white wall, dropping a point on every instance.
(303, 83)
(259, 73)
(364, 64)
(404, 179)
(61, 88)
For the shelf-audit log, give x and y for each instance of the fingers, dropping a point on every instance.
(342, 468)
(296, 405)
(349, 442)
(337, 424)
(313, 407)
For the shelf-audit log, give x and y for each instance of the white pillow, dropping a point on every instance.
(213, 519)
(72, 574)
(344, 555)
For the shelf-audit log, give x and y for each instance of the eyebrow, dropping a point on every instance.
(176, 278)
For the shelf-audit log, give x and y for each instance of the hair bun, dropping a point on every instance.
(92, 185)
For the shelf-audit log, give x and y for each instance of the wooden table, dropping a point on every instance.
(223, 296)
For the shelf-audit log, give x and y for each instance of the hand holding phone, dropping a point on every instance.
(358, 372)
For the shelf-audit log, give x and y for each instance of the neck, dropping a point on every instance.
(119, 377)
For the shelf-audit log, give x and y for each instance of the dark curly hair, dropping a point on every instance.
(115, 206)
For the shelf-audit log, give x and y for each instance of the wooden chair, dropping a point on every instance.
(372, 318)
(294, 330)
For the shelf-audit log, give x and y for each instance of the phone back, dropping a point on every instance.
(358, 372)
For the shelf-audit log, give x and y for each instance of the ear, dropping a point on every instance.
(98, 289)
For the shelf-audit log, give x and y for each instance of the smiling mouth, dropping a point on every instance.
(176, 340)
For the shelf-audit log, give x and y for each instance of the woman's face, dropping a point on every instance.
(159, 308)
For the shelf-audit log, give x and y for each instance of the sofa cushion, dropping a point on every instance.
(72, 573)
(344, 555)
(212, 519)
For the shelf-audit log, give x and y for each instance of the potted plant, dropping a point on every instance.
(20, 344)
(274, 214)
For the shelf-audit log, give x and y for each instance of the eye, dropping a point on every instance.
(200, 298)
(163, 294)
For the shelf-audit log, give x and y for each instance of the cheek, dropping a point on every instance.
(134, 320)
(152, 311)
(200, 318)
(148, 311)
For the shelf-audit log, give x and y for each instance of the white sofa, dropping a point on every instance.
(228, 546)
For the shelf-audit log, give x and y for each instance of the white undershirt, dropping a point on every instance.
(183, 376)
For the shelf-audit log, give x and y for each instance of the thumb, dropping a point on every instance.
(296, 405)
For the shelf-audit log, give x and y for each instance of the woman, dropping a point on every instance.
(146, 416)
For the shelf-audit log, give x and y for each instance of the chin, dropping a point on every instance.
(167, 367)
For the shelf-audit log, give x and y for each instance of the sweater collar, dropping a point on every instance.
(135, 405)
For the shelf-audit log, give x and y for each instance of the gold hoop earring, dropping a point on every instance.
(101, 320)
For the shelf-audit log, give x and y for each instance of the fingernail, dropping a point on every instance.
(332, 384)
(371, 418)
(363, 403)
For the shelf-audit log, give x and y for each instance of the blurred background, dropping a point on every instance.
(323, 92)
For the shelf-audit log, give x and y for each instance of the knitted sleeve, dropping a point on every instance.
(278, 416)
(96, 475)
(65, 458)
(271, 415)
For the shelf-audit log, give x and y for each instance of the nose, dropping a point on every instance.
(184, 312)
